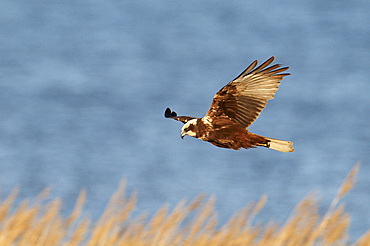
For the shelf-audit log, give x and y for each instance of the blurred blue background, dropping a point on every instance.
(83, 88)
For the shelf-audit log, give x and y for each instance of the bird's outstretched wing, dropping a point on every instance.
(243, 99)
(173, 115)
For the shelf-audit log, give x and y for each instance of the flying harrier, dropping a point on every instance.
(235, 107)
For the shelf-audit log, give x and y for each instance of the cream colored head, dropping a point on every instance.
(189, 128)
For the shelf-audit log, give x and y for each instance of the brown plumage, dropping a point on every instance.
(235, 107)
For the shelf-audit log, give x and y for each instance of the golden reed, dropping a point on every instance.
(189, 223)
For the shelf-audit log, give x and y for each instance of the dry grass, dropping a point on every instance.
(193, 223)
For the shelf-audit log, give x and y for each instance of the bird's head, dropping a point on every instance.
(189, 128)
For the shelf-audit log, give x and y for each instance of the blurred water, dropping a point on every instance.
(84, 87)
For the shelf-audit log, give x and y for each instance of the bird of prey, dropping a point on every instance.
(235, 107)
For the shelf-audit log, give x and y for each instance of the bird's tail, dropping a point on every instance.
(280, 145)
